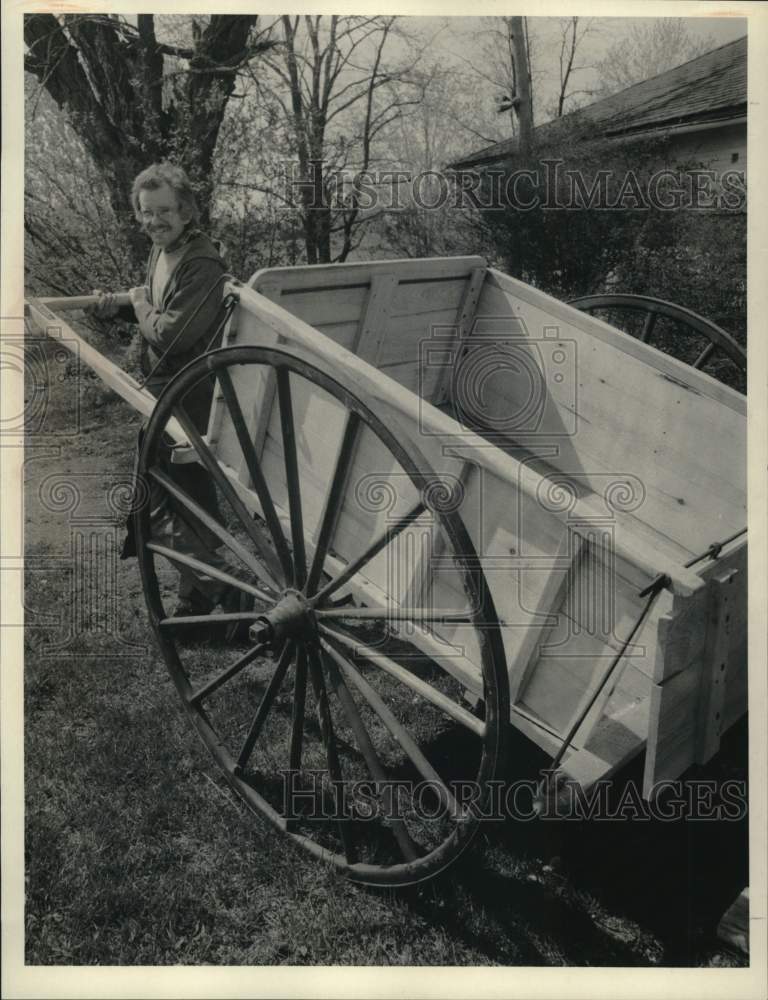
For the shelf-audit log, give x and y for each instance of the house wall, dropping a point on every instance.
(715, 147)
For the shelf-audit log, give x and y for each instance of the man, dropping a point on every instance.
(179, 311)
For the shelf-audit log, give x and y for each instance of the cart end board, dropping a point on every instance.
(707, 641)
(592, 448)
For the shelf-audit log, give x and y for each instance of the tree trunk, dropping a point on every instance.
(523, 94)
(210, 84)
(321, 213)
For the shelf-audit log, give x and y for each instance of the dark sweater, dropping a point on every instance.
(189, 312)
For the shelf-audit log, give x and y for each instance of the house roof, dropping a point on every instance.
(710, 88)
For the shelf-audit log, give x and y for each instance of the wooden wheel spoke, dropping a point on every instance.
(201, 567)
(290, 456)
(225, 618)
(299, 704)
(211, 523)
(255, 472)
(265, 704)
(371, 552)
(333, 501)
(705, 355)
(329, 741)
(407, 845)
(408, 744)
(422, 688)
(648, 325)
(226, 675)
(418, 615)
(271, 563)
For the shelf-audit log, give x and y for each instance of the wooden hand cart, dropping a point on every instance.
(456, 504)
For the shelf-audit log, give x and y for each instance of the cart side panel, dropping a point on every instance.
(606, 408)
(519, 544)
(255, 392)
(591, 610)
(565, 601)
(388, 313)
(321, 276)
(337, 312)
(691, 706)
(319, 425)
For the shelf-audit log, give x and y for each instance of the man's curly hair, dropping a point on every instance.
(158, 174)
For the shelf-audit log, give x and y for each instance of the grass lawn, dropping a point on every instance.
(137, 853)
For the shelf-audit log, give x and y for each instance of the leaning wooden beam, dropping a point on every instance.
(141, 399)
(72, 302)
(375, 385)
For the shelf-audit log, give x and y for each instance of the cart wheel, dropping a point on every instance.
(686, 335)
(320, 721)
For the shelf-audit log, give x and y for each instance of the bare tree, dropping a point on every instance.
(336, 94)
(647, 50)
(132, 98)
(432, 220)
(573, 31)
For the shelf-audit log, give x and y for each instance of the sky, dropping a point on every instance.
(457, 40)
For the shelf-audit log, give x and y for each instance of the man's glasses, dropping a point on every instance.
(161, 213)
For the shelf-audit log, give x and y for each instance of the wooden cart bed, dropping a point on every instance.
(586, 463)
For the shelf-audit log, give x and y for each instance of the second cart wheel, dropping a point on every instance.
(675, 330)
(341, 717)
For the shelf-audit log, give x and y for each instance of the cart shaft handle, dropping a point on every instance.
(68, 303)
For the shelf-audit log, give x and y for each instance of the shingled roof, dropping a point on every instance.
(710, 88)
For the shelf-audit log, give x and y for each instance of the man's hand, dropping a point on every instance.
(139, 295)
(106, 307)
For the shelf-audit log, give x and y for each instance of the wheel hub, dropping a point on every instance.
(291, 618)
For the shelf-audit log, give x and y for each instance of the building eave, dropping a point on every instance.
(678, 127)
